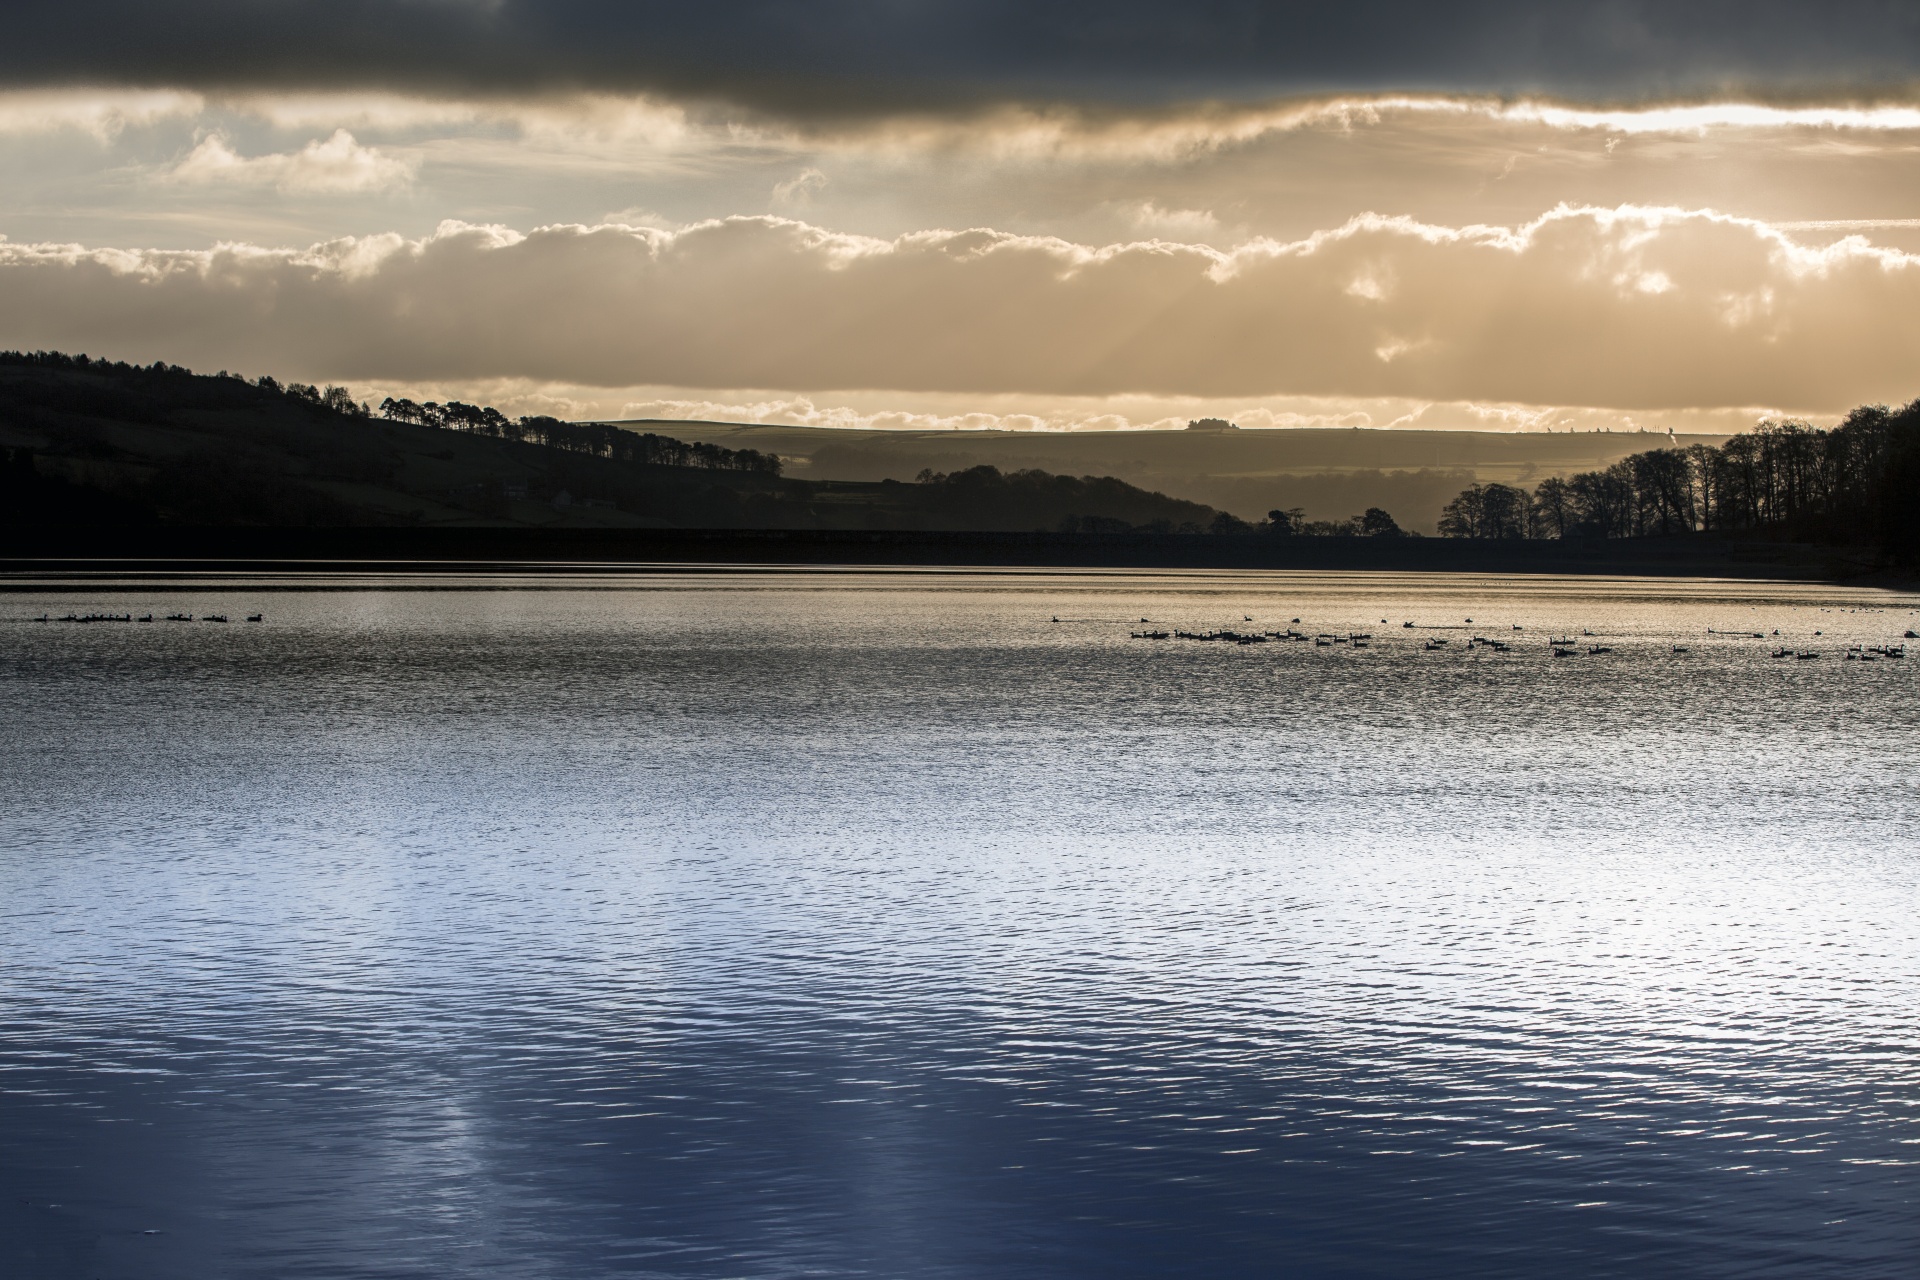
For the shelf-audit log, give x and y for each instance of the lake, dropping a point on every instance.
(781, 924)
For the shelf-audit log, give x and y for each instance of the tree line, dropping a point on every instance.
(1856, 483)
(332, 399)
(596, 438)
(1371, 523)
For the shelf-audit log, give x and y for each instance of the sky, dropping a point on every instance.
(923, 213)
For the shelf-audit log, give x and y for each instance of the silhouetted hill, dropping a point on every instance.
(93, 443)
(1330, 474)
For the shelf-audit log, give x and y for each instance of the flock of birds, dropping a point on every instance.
(146, 617)
(1565, 646)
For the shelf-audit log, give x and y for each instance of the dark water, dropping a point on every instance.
(814, 925)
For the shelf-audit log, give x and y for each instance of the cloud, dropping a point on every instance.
(1629, 308)
(835, 57)
(103, 114)
(599, 128)
(1150, 218)
(324, 166)
(797, 192)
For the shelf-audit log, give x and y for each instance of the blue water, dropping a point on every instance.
(810, 924)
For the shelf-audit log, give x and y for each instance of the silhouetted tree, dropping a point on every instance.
(1486, 511)
(1285, 522)
(1551, 509)
(1375, 523)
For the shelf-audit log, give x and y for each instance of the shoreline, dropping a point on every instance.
(531, 550)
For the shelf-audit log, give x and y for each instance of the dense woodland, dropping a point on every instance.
(1858, 483)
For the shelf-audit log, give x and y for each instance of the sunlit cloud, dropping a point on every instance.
(1850, 224)
(1629, 307)
(333, 165)
(1149, 218)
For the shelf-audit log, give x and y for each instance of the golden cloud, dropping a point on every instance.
(1630, 308)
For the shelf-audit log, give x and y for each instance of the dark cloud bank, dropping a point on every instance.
(860, 55)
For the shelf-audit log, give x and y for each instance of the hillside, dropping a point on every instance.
(1329, 473)
(92, 442)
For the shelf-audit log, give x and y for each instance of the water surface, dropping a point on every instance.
(876, 924)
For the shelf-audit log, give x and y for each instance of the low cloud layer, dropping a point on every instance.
(1628, 308)
(840, 56)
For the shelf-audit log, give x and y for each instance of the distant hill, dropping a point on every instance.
(1330, 473)
(92, 443)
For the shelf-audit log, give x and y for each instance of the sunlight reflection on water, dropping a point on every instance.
(876, 924)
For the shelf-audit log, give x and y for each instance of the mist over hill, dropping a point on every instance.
(1328, 473)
